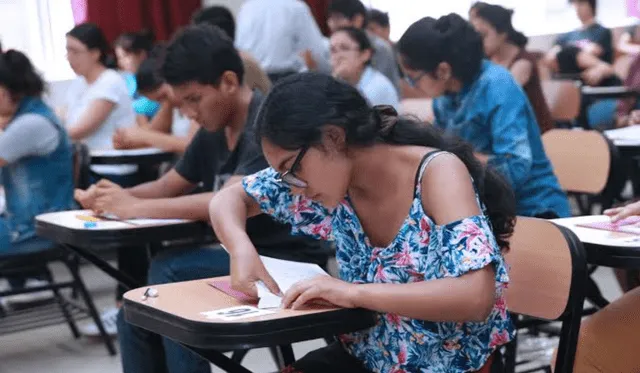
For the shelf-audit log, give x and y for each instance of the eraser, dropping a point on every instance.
(90, 224)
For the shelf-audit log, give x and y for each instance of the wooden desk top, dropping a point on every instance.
(177, 313)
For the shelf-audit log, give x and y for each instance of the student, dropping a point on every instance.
(628, 109)
(592, 37)
(441, 262)
(480, 102)
(131, 49)
(35, 159)
(169, 129)
(593, 72)
(379, 25)
(473, 10)
(205, 72)
(220, 16)
(351, 54)
(629, 41)
(98, 101)
(506, 46)
(352, 13)
(277, 33)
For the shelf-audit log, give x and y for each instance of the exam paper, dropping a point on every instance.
(286, 273)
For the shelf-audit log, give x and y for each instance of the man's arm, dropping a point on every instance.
(168, 185)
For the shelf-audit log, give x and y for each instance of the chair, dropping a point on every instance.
(64, 309)
(418, 107)
(548, 273)
(563, 98)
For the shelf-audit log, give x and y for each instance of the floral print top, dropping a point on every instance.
(421, 251)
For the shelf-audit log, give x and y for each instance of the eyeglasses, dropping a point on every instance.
(335, 50)
(414, 81)
(289, 177)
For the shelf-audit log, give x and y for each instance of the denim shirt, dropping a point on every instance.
(37, 184)
(493, 114)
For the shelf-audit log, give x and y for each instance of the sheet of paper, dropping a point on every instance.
(625, 134)
(125, 152)
(286, 273)
(235, 313)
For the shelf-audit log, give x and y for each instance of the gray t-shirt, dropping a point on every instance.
(28, 135)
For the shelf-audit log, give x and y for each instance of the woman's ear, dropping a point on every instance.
(334, 139)
(443, 71)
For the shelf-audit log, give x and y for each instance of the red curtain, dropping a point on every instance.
(319, 10)
(114, 17)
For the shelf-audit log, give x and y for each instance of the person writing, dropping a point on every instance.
(418, 223)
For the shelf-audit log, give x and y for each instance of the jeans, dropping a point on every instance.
(142, 351)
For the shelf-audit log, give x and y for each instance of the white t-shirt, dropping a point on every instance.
(109, 86)
(377, 88)
(112, 87)
(181, 124)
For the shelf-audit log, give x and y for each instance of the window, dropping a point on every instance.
(38, 28)
(540, 17)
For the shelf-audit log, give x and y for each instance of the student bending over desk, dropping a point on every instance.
(205, 73)
(35, 158)
(413, 231)
(481, 103)
(169, 129)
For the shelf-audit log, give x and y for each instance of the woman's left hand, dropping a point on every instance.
(324, 288)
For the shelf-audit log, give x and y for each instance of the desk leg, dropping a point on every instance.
(218, 359)
(283, 355)
(107, 268)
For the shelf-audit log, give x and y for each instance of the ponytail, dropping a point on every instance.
(18, 75)
(292, 123)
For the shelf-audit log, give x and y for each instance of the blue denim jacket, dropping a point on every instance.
(493, 114)
(38, 184)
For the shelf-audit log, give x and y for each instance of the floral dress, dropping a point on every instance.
(421, 251)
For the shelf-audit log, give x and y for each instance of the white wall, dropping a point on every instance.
(233, 5)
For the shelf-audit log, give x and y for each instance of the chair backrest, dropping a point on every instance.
(563, 99)
(417, 107)
(81, 166)
(548, 274)
(581, 159)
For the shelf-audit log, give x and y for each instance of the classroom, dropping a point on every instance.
(316, 186)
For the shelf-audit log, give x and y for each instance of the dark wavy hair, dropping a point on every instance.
(291, 122)
(359, 37)
(500, 19)
(18, 75)
(136, 42)
(217, 16)
(451, 39)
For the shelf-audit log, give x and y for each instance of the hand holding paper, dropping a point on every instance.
(286, 274)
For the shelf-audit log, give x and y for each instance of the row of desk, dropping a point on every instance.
(177, 310)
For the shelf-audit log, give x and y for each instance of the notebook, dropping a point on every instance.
(628, 225)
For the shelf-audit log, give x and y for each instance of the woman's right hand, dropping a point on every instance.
(620, 213)
(247, 269)
(86, 198)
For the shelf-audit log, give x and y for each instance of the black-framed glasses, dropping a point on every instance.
(289, 177)
(414, 81)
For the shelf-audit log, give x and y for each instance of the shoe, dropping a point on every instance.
(109, 319)
(20, 301)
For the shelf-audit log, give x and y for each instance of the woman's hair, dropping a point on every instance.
(149, 76)
(360, 38)
(18, 75)
(290, 122)
(136, 42)
(92, 37)
(500, 19)
(429, 42)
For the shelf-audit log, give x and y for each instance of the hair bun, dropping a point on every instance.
(386, 118)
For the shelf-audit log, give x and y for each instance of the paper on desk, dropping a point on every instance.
(285, 273)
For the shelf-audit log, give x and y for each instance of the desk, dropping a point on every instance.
(66, 229)
(599, 93)
(176, 314)
(141, 157)
(605, 248)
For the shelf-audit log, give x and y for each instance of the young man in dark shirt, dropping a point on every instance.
(206, 75)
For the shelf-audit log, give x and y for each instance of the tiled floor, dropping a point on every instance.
(53, 350)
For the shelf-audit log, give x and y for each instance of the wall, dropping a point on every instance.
(233, 5)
